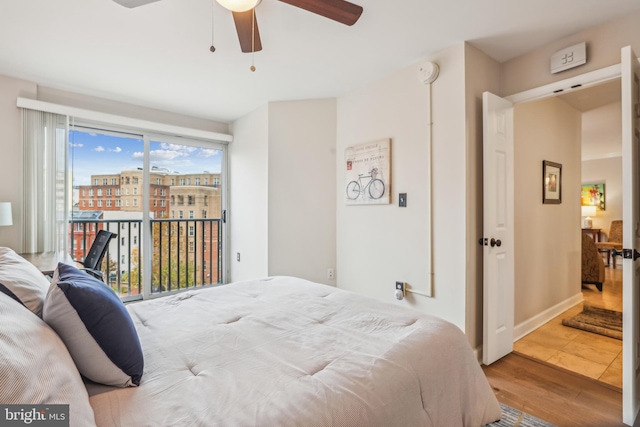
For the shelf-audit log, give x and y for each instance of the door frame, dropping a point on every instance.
(588, 79)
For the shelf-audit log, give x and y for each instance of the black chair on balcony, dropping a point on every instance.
(92, 262)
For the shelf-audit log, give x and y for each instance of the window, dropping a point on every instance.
(84, 192)
(126, 178)
(99, 203)
(91, 192)
(95, 181)
(216, 181)
(206, 181)
(84, 203)
(90, 203)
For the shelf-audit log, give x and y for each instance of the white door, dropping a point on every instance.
(630, 237)
(498, 264)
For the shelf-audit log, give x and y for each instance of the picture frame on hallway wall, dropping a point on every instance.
(593, 195)
(368, 173)
(551, 182)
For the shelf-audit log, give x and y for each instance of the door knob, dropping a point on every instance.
(495, 242)
(626, 253)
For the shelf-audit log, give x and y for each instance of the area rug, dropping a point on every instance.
(512, 417)
(597, 320)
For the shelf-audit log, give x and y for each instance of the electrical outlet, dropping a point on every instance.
(238, 256)
(402, 200)
(400, 291)
(331, 274)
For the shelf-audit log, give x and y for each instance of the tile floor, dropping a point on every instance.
(585, 353)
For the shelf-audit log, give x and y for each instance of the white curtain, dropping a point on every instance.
(45, 181)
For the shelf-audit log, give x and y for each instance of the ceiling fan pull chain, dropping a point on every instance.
(212, 48)
(253, 39)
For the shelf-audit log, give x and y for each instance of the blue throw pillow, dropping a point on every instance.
(95, 326)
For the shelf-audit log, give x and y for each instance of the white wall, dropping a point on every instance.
(604, 42)
(301, 185)
(282, 176)
(547, 236)
(380, 244)
(249, 196)
(609, 172)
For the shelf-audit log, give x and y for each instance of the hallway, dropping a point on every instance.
(592, 355)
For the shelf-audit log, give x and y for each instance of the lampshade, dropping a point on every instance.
(588, 211)
(5, 213)
(239, 5)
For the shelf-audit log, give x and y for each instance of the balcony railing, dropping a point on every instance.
(185, 253)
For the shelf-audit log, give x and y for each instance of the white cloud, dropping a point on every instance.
(116, 150)
(99, 148)
(76, 145)
(208, 152)
(138, 155)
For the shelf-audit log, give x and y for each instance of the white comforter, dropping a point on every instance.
(288, 352)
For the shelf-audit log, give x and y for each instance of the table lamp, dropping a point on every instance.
(5, 214)
(587, 213)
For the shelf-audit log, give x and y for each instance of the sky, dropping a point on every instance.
(98, 154)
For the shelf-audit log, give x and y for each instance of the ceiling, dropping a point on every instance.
(158, 55)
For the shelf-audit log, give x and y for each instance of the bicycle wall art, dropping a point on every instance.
(368, 173)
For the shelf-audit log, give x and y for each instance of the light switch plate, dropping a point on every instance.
(402, 200)
(569, 57)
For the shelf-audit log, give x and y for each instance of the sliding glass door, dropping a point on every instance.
(164, 197)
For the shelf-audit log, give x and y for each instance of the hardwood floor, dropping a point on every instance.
(592, 355)
(560, 397)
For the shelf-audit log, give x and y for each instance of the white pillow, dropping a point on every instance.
(35, 365)
(22, 281)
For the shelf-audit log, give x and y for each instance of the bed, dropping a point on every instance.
(283, 351)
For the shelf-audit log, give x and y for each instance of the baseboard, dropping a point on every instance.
(540, 319)
(536, 321)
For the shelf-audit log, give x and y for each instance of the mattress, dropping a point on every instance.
(283, 351)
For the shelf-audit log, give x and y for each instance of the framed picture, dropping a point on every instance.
(368, 173)
(551, 182)
(593, 195)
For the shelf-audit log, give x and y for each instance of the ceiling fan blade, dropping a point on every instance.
(245, 27)
(337, 10)
(134, 3)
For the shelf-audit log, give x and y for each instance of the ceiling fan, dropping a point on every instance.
(246, 25)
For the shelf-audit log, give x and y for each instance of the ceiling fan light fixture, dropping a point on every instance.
(239, 5)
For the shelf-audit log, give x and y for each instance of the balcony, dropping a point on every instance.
(185, 254)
